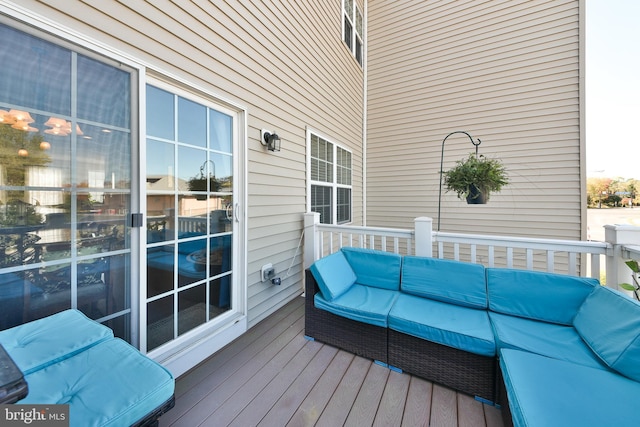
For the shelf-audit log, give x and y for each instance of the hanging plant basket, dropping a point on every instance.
(200, 184)
(476, 197)
(475, 178)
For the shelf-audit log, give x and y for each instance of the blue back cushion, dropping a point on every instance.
(609, 322)
(537, 295)
(375, 268)
(333, 275)
(449, 281)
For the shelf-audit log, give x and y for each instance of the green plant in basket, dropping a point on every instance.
(475, 178)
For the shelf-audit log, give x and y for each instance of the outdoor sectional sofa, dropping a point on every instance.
(551, 349)
(68, 359)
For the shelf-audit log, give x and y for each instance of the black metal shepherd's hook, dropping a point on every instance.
(442, 161)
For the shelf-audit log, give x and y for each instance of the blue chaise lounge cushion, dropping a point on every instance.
(537, 295)
(455, 282)
(333, 274)
(375, 268)
(609, 322)
(43, 342)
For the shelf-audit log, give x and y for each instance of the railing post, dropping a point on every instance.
(311, 252)
(618, 236)
(423, 227)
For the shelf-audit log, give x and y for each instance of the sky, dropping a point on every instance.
(613, 88)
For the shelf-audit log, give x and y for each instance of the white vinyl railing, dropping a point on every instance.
(580, 258)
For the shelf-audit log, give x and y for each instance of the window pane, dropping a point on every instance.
(348, 7)
(220, 131)
(35, 73)
(347, 33)
(321, 203)
(103, 93)
(192, 123)
(344, 205)
(359, 22)
(358, 51)
(160, 113)
(160, 166)
(343, 169)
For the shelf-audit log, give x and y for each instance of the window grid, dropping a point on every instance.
(353, 29)
(331, 204)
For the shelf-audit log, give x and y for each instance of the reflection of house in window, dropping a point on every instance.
(96, 180)
(39, 176)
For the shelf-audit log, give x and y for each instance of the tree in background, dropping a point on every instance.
(612, 192)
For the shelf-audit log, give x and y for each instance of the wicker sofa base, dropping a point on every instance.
(355, 337)
(463, 371)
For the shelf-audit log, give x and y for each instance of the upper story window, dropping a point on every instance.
(330, 181)
(352, 29)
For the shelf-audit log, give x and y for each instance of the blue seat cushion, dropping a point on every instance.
(452, 325)
(537, 295)
(375, 268)
(109, 384)
(333, 274)
(547, 339)
(609, 322)
(361, 303)
(43, 342)
(449, 281)
(546, 392)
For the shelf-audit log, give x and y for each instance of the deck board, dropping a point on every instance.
(273, 376)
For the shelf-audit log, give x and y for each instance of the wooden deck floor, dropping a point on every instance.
(273, 376)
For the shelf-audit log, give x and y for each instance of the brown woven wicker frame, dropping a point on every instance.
(355, 337)
(503, 400)
(463, 371)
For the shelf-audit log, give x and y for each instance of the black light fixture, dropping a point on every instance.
(270, 140)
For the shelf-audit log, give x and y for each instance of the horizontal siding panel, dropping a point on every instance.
(508, 73)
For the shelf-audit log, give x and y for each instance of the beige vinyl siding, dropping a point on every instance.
(285, 62)
(507, 72)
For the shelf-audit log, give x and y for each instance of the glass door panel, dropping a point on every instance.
(189, 215)
(65, 181)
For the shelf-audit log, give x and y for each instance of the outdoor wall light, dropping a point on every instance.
(270, 140)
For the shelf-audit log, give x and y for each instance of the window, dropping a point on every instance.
(330, 181)
(352, 28)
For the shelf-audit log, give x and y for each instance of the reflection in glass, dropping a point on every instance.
(160, 166)
(192, 308)
(103, 93)
(159, 322)
(220, 131)
(192, 123)
(160, 269)
(160, 113)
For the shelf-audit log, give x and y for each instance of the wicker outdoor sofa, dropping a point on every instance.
(551, 349)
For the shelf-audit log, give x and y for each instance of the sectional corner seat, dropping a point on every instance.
(552, 349)
(66, 358)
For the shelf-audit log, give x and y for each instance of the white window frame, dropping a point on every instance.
(356, 36)
(333, 184)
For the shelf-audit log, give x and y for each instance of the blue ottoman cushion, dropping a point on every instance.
(548, 392)
(109, 384)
